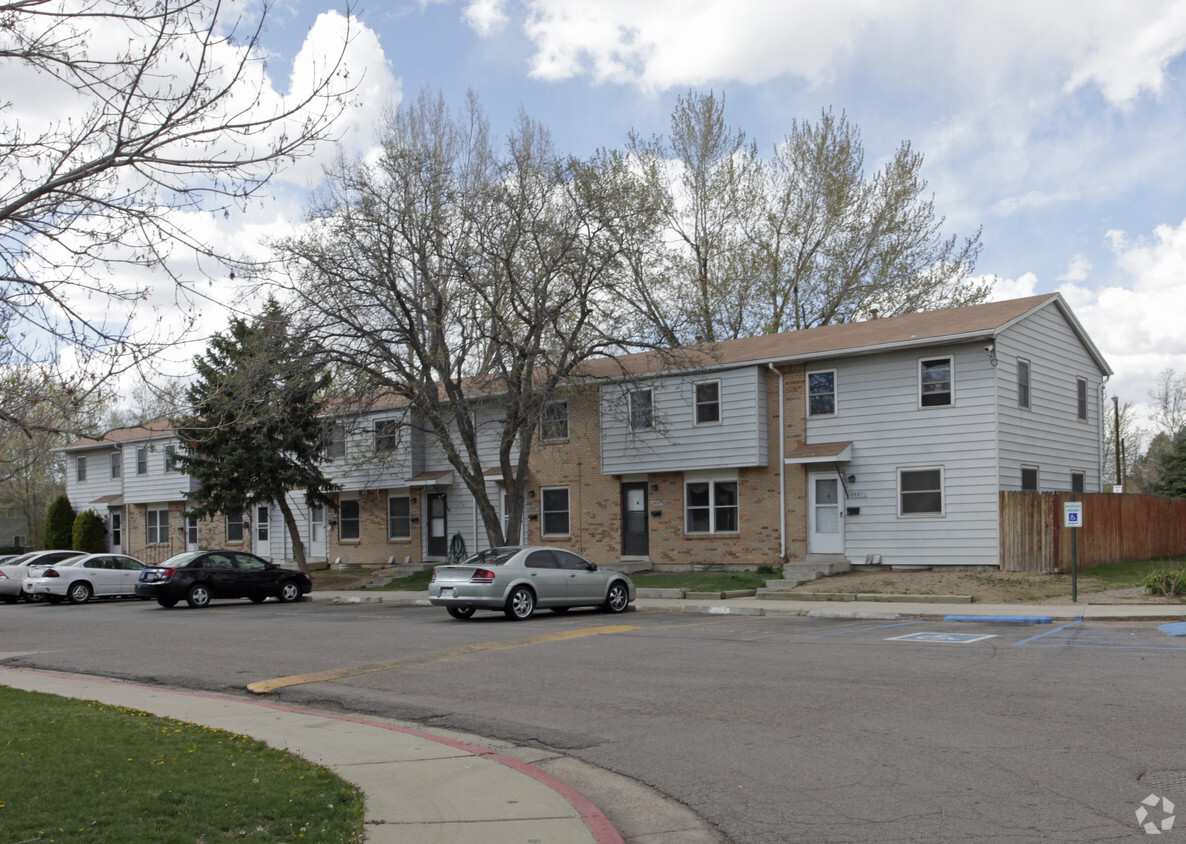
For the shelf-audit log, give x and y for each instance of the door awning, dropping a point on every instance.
(444, 478)
(115, 500)
(820, 453)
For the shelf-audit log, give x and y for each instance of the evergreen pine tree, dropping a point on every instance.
(59, 525)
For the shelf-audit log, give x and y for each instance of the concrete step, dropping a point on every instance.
(805, 571)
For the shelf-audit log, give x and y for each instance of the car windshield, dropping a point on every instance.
(491, 557)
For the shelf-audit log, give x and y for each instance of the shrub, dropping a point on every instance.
(90, 534)
(1170, 583)
(59, 525)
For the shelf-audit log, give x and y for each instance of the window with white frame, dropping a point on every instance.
(386, 435)
(821, 393)
(399, 517)
(553, 423)
(337, 441)
(1081, 396)
(262, 527)
(1023, 383)
(142, 460)
(348, 522)
(156, 519)
(554, 510)
(642, 413)
(170, 458)
(1029, 478)
(80, 469)
(920, 491)
(116, 464)
(935, 382)
(234, 528)
(708, 402)
(710, 506)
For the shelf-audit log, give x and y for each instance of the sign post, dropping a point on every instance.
(1072, 517)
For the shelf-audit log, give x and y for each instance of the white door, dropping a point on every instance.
(825, 505)
(318, 547)
(191, 534)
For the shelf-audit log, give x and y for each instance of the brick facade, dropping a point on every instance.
(373, 547)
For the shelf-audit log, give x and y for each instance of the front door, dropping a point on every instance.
(117, 533)
(635, 535)
(825, 506)
(318, 546)
(438, 524)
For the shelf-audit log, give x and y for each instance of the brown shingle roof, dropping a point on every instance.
(155, 428)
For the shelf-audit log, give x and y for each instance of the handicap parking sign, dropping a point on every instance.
(1072, 514)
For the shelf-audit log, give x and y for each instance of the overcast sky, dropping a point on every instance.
(1058, 126)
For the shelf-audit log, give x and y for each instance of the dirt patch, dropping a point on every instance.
(985, 587)
(342, 580)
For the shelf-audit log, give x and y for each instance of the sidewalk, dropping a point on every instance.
(911, 606)
(420, 787)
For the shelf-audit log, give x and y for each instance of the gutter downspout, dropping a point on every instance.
(782, 468)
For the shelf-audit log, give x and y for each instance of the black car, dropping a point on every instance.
(199, 576)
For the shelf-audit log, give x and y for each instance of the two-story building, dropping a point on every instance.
(881, 441)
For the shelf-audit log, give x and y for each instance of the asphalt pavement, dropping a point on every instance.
(444, 787)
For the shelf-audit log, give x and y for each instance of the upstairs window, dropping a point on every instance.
(934, 382)
(142, 460)
(821, 393)
(386, 435)
(170, 458)
(1023, 384)
(1081, 390)
(80, 468)
(553, 423)
(115, 464)
(708, 402)
(642, 415)
(337, 441)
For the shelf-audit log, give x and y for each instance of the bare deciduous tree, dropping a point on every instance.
(159, 109)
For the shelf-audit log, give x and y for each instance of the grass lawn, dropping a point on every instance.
(75, 770)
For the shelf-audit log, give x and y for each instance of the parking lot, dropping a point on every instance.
(773, 728)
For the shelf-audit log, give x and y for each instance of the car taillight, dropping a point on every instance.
(50, 573)
(482, 576)
(433, 579)
(3, 575)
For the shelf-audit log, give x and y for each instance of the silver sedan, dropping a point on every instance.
(79, 579)
(516, 580)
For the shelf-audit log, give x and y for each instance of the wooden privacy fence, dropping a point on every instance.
(1116, 528)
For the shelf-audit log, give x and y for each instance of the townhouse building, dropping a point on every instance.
(881, 441)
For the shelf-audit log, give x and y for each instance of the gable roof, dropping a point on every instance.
(117, 436)
(928, 328)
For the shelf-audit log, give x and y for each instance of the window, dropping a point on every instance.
(1023, 383)
(934, 382)
(553, 423)
(710, 507)
(1078, 482)
(337, 441)
(142, 460)
(261, 524)
(642, 415)
(348, 520)
(80, 468)
(708, 402)
(234, 528)
(18, 540)
(116, 464)
(157, 521)
(1081, 387)
(920, 492)
(1029, 478)
(555, 510)
(170, 458)
(386, 435)
(821, 393)
(399, 517)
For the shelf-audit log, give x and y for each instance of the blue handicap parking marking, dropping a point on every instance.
(1076, 634)
(948, 638)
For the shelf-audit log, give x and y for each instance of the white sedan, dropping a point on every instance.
(14, 572)
(82, 578)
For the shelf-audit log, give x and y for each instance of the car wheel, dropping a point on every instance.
(290, 591)
(618, 597)
(520, 604)
(460, 612)
(199, 596)
(167, 603)
(79, 592)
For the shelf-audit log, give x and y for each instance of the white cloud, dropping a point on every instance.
(1077, 270)
(486, 17)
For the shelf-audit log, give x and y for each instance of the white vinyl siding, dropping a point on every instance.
(155, 483)
(1066, 383)
(677, 443)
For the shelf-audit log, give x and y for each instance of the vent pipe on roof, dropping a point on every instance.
(874, 312)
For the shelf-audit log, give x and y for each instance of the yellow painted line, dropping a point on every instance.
(266, 686)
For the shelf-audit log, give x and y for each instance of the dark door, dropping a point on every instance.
(438, 525)
(634, 520)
